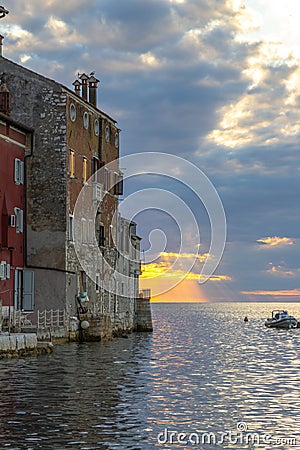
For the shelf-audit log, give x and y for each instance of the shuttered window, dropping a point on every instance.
(118, 184)
(101, 236)
(72, 164)
(71, 224)
(19, 171)
(28, 291)
(84, 170)
(19, 220)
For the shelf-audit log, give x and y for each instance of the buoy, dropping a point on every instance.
(246, 319)
(84, 324)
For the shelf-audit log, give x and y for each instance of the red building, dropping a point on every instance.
(15, 140)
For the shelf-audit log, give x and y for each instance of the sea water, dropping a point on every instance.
(203, 379)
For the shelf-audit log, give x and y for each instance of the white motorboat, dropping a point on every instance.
(281, 319)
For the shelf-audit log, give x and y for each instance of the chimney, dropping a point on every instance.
(77, 86)
(5, 100)
(84, 92)
(93, 84)
(1, 45)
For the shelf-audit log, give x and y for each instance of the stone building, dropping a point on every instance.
(73, 139)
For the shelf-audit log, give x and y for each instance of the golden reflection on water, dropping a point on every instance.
(221, 371)
(203, 370)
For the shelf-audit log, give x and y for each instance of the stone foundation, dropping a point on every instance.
(143, 315)
(19, 344)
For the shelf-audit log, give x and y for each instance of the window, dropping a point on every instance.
(72, 112)
(28, 290)
(97, 282)
(19, 171)
(72, 164)
(19, 220)
(84, 231)
(2, 270)
(12, 221)
(85, 120)
(96, 127)
(118, 184)
(117, 140)
(106, 180)
(83, 281)
(91, 231)
(97, 192)
(95, 168)
(101, 236)
(126, 239)
(107, 133)
(71, 225)
(84, 170)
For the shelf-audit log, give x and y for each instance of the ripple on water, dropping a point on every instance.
(202, 370)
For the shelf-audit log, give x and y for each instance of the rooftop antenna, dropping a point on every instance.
(3, 12)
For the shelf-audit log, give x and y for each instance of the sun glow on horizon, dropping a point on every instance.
(187, 291)
(174, 284)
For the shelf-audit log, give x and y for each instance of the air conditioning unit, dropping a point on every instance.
(12, 220)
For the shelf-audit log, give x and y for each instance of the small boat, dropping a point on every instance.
(281, 319)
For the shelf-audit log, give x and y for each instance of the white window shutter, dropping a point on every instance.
(17, 210)
(2, 270)
(19, 220)
(17, 171)
(7, 271)
(21, 172)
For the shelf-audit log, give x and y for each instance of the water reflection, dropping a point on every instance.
(203, 370)
(79, 396)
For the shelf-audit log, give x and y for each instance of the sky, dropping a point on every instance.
(213, 82)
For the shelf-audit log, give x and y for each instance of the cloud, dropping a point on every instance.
(169, 264)
(279, 293)
(274, 241)
(202, 79)
(193, 256)
(283, 272)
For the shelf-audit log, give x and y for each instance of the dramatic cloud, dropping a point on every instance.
(275, 240)
(170, 264)
(217, 83)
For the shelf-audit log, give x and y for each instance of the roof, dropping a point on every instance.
(62, 86)
(15, 124)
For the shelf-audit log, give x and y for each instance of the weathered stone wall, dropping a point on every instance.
(100, 328)
(144, 316)
(18, 344)
(44, 105)
(39, 103)
(50, 290)
(56, 334)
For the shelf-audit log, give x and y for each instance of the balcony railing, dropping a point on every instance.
(52, 318)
